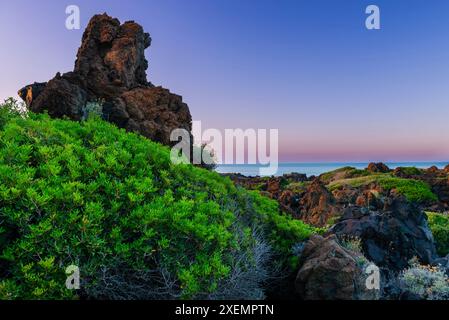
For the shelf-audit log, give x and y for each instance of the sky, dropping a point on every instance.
(310, 68)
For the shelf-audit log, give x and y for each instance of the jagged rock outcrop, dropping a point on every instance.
(390, 238)
(317, 205)
(328, 271)
(110, 69)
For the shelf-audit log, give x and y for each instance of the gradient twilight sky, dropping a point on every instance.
(335, 90)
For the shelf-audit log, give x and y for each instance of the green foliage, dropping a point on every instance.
(343, 173)
(430, 283)
(204, 156)
(439, 225)
(285, 231)
(357, 182)
(93, 109)
(298, 187)
(410, 171)
(326, 177)
(112, 203)
(10, 108)
(413, 190)
(352, 243)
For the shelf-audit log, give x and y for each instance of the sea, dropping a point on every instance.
(315, 169)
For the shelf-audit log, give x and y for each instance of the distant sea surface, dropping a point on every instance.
(315, 169)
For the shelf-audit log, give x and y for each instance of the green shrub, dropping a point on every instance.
(352, 243)
(93, 108)
(10, 108)
(439, 225)
(298, 187)
(343, 173)
(284, 231)
(410, 171)
(137, 226)
(327, 176)
(429, 283)
(413, 190)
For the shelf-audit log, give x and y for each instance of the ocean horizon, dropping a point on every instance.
(316, 168)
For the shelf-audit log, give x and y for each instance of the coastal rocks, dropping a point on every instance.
(295, 177)
(441, 188)
(377, 168)
(392, 237)
(289, 202)
(110, 70)
(329, 271)
(437, 179)
(433, 169)
(317, 205)
(370, 196)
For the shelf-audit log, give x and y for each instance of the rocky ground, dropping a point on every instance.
(381, 210)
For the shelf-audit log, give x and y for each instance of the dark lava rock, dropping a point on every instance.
(392, 237)
(111, 69)
(317, 205)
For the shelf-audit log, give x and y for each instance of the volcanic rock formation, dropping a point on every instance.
(329, 271)
(110, 70)
(392, 237)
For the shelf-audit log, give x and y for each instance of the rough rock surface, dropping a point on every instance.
(329, 271)
(390, 238)
(317, 205)
(111, 69)
(378, 167)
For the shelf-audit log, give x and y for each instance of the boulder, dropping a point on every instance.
(110, 70)
(328, 271)
(390, 238)
(378, 167)
(433, 169)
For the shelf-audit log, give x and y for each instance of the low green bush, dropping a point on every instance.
(439, 225)
(345, 172)
(410, 171)
(427, 282)
(138, 227)
(413, 190)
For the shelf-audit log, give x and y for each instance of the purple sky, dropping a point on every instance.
(335, 91)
